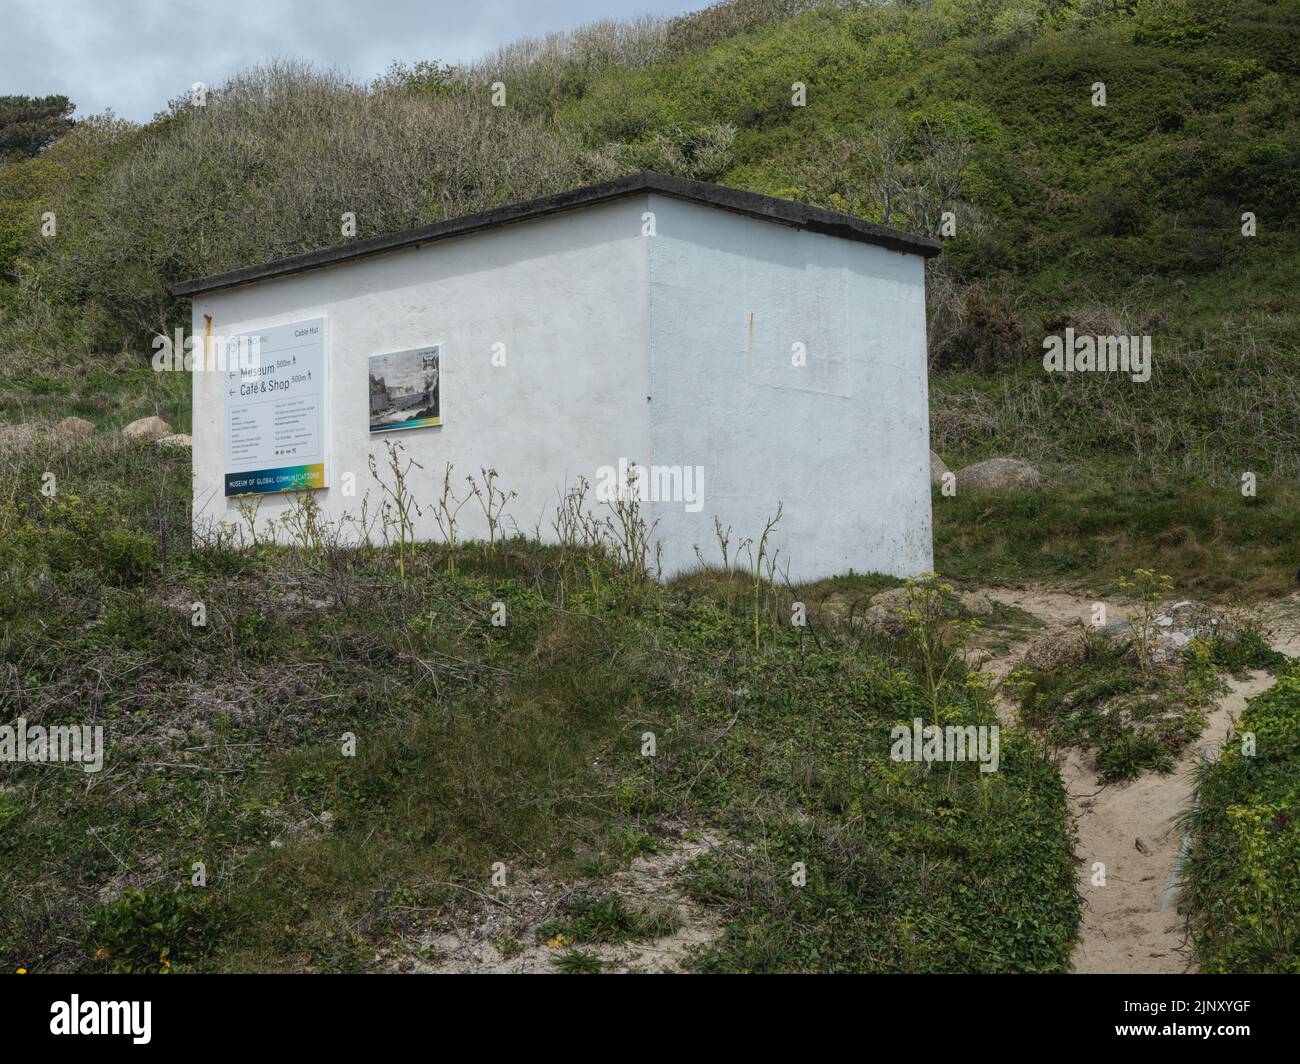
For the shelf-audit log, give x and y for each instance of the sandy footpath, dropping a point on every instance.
(1131, 924)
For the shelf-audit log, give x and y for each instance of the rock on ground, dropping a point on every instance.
(886, 609)
(1178, 623)
(176, 439)
(148, 428)
(999, 474)
(1173, 628)
(937, 470)
(1056, 648)
(74, 426)
(976, 603)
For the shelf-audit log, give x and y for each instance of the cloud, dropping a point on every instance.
(132, 56)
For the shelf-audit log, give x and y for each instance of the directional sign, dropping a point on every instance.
(275, 410)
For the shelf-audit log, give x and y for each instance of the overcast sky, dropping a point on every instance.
(135, 55)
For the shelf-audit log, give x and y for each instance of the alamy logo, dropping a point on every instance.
(102, 1017)
(1098, 354)
(194, 354)
(929, 742)
(82, 744)
(684, 484)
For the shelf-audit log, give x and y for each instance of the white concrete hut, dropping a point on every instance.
(737, 351)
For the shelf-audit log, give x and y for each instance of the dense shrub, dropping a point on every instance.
(1178, 22)
(972, 328)
(73, 167)
(70, 533)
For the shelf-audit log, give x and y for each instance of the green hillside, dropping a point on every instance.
(522, 744)
(1123, 219)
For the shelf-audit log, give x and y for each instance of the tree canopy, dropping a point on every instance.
(28, 124)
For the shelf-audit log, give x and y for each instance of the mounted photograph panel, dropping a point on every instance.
(275, 410)
(404, 389)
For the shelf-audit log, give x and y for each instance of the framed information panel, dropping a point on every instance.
(275, 410)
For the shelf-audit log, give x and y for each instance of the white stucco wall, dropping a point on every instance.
(666, 350)
(567, 295)
(842, 442)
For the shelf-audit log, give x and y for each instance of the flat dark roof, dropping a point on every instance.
(768, 208)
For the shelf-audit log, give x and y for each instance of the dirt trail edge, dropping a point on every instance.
(1130, 924)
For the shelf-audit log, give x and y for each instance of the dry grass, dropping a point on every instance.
(1240, 414)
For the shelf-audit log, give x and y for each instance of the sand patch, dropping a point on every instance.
(502, 937)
